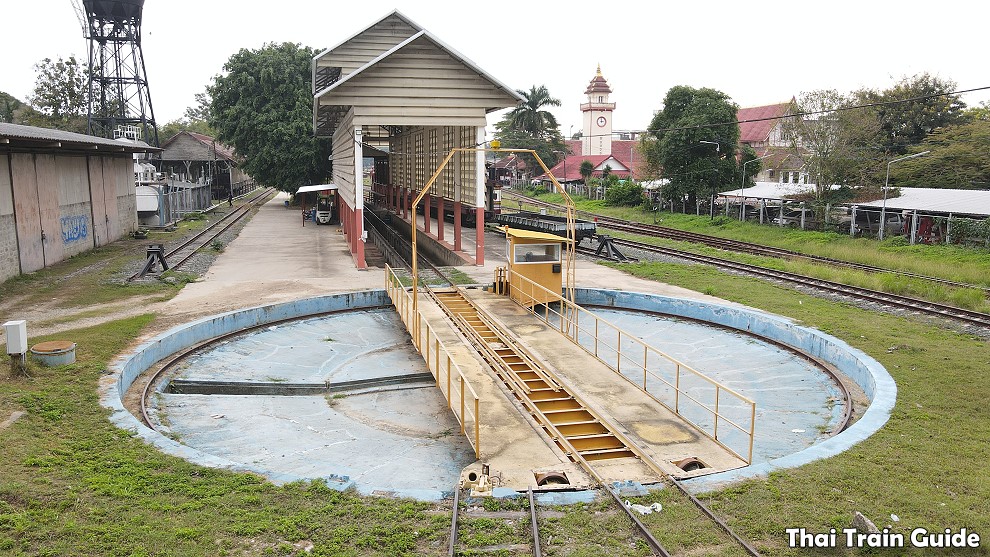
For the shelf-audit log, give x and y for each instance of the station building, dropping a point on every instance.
(62, 193)
(396, 93)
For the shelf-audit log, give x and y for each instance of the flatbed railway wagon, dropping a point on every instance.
(550, 224)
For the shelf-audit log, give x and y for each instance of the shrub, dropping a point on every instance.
(626, 194)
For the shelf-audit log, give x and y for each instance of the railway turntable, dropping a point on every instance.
(547, 410)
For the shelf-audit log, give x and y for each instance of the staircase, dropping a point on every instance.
(572, 426)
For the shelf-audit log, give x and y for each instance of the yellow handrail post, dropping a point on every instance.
(462, 404)
(477, 428)
(752, 429)
(717, 393)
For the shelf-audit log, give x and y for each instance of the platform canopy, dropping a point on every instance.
(938, 200)
(315, 187)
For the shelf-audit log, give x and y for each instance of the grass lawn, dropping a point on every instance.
(73, 484)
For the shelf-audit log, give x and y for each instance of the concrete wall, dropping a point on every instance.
(10, 261)
(54, 206)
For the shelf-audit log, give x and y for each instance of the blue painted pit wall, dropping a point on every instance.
(878, 385)
(127, 368)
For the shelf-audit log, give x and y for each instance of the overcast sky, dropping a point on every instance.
(756, 52)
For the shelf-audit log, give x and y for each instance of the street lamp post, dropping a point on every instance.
(718, 151)
(742, 187)
(883, 208)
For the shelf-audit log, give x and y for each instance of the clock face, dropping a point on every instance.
(601, 121)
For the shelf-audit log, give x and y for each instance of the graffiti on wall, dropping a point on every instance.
(74, 228)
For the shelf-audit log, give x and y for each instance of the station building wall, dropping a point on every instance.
(55, 206)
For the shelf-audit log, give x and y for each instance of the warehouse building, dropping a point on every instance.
(62, 193)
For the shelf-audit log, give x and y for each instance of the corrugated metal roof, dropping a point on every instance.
(31, 134)
(962, 202)
(771, 190)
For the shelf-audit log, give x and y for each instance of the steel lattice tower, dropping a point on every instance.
(118, 83)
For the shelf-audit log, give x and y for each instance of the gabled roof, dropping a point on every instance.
(569, 169)
(439, 44)
(755, 132)
(222, 151)
(393, 13)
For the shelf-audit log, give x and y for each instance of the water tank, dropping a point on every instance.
(114, 10)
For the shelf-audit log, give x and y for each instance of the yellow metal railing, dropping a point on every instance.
(461, 397)
(702, 401)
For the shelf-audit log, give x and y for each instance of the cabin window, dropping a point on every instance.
(536, 253)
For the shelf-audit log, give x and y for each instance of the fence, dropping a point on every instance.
(703, 402)
(457, 390)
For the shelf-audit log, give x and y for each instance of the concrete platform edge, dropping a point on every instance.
(872, 377)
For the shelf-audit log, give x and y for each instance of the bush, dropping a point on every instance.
(627, 194)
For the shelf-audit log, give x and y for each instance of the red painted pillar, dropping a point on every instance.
(440, 226)
(358, 243)
(479, 228)
(405, 202)
(457, 226)
(426, 214)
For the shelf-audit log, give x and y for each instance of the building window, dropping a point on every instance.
(770, 173)
(784, 177)
(601, 99)
(536, 253)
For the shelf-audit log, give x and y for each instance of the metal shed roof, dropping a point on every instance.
(935, 200)
(45, 138)
(315, 187)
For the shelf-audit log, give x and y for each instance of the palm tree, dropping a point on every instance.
(529, 115)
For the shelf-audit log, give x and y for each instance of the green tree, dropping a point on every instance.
(838, 146)
(8, 107)
(194, 119)
(908, 123)
(529, 115)
(528, 126)
(690, 143)
(262, 106)
(60, 95)
(586, 169)
(959, 158)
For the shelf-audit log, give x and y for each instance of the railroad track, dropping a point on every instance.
(656, 231)
(534, 548)
(903, 302)
(179, 255)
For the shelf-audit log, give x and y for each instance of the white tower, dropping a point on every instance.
(597, 138)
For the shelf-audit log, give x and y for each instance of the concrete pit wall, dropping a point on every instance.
(867, 372)
(128, 367)
(878, 385)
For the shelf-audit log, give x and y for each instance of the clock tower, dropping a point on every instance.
(597, 138)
